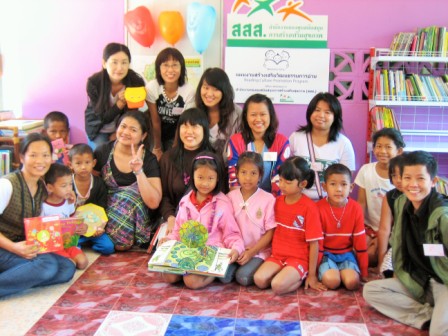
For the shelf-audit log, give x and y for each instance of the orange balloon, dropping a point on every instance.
(171, 25)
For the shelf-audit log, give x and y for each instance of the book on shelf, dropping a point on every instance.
(22, 124)
(5, 160)
(190, 255)
(427, 41)
(382, 117)
(45, 232)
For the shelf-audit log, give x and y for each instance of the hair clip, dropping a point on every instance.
(204, 157)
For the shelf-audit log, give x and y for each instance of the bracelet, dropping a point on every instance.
(138, 172)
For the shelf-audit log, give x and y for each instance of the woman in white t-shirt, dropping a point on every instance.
(321, 138)
(168, 96)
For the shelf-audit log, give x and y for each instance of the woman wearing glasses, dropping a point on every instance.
(168, 95)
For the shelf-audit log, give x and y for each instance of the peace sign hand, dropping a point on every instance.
(136, 162)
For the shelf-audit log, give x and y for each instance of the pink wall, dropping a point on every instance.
(64, 41)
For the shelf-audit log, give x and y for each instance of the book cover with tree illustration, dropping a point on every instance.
(191, 254)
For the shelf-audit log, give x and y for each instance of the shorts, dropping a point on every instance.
(298, 264)
(371, 232)
(328, 264)
(70, 252)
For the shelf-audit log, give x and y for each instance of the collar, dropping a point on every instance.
(195, 202)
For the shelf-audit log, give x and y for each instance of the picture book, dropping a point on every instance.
(191, 255)
(94, 216)
(60, 151)
(45, 232)
(68, 231)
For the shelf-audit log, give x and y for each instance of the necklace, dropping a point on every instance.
(338, 221)
(168, 100)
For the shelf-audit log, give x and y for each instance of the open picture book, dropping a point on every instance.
(191, 255)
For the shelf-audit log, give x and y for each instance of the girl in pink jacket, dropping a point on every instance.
(207, 204)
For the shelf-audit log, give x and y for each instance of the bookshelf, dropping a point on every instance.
(421, 114)
(14, 141)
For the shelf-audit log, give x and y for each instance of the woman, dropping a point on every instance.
(106, 93)
(215, 95)
(259, 134)
(132, 176)
(175, 164)
(168, 95)
(21, 196)
(321, 138)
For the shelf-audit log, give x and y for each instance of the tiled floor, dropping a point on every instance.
(118, 296)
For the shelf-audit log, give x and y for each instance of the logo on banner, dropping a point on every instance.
(291, 8)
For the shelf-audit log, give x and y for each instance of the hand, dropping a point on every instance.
(170, 224)
(233, 255)
(99, 231)
(25, 251)
(121, 100)
(313, 282)
(162, 240)
(72, 198)
(81, 229)
(157, 152)
(136, 162)
(246, 256)
(365, 279)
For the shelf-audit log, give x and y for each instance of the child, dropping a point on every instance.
(387, 217)
(344, 235)
(295, 244)
(60, 201)
(418, 293)
(373, 182)
(208, 205)
(57, 128)
(89, 189)
(254, 212)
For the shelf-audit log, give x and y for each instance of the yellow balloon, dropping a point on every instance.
(171, 26)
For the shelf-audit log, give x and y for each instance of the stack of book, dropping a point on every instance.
(382, 117)
(428, 41)
(25, 127)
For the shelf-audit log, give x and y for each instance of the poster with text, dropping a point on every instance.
(287, 76)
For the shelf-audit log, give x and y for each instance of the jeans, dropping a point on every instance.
(18, 274)
(100, 139)
(101, 244)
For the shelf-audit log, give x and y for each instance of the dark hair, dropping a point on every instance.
(394, 163)
(34, 137)
(390, 133)
(217, 78)
(252, 157)
(142, 119)
(269, 135)
(335, 107)
(56, 116)
(165, 55)
(297, 168)
(337, 168)
(192, 116)
(103, 103)
(80, 149)
(56, 171)
(418, 158)
(212, 161)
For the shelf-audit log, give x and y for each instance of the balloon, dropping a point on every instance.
(171, 25)
(201, 21)
(140, 25)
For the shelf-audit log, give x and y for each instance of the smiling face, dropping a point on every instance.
(130, 132)
(62, 188)
(170, 71)
(248, 177)
(117, 66)
(191, 135)
(205, 180)
(210, 95)
(385, 149)
(322, 117)
(338, 187)
(258, 118)
(37, 159)
(416, 183)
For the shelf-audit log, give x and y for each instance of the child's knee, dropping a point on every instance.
(261, 280)
(331, 279)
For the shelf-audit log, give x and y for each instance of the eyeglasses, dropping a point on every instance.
(174, 66)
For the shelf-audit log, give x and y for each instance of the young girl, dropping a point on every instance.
(207, 204)
(373, 182)
(21, 196)
(254, 212)
(168, 95)
(387, 217)
(295, 245)
(215, 95)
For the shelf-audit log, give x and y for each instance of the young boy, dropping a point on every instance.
(344, 246)
(89, 189)
(373, 182)
(60, 201)
(57, 128)
(418, 293)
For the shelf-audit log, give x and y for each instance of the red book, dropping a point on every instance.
(45, 232)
